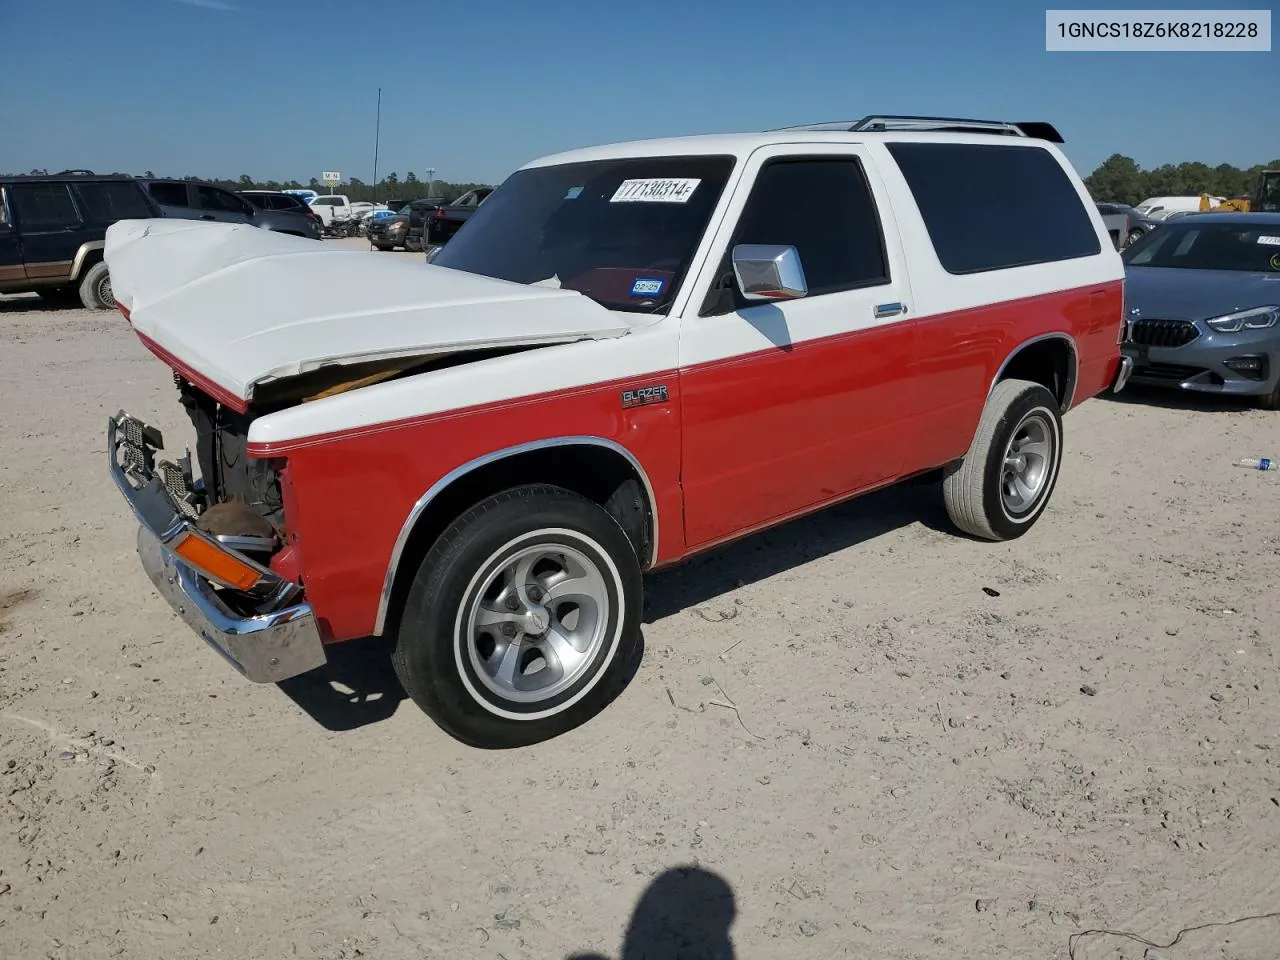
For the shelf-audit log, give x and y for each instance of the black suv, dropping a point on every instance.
(52, 230)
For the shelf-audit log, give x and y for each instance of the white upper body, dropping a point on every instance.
(244, 306)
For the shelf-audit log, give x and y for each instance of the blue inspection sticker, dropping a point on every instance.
(647, 287)
(573, 193)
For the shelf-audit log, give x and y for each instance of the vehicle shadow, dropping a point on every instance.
(20, 304)
(766, 554)
(1140, 395)
(684, 914)
(358, 686)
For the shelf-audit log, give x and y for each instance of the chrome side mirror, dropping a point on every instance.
(768, 271)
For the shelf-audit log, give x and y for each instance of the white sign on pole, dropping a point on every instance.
(331, 176)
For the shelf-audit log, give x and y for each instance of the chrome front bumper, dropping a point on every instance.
(276, 639)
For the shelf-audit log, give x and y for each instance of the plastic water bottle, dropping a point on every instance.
(1257, 463)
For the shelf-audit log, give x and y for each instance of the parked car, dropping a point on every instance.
(1203, 301)
(630, 355)
(330, 207)
(445, 221)
(1160, 208)
(419, 212)
(387, 233)
(52, 231)
(197, 200)
(1137, 225)
(281, 201)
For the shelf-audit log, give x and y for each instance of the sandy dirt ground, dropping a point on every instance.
(857, 736)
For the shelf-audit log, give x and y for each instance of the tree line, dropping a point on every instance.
(390, 187)
(1119, 179)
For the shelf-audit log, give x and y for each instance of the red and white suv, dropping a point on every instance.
(630, 354)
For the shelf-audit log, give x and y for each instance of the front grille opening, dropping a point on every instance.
(1177, 373)
(1162, 333)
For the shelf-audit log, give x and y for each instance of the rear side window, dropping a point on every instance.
(823, 208)
(109, 202)
(169, 194)
(43, 205)
(991, 207)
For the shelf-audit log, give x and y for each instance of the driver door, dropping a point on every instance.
(789, 405)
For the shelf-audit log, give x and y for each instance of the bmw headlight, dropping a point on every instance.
(1259, 318)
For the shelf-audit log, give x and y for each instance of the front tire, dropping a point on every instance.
(95, 289)
(522, 619)
(1001, 487)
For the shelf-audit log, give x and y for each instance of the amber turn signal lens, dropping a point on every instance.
(218, 564)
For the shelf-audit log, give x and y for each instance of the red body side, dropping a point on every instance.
(742, 443)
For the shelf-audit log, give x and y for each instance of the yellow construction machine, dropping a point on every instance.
(1265, 198)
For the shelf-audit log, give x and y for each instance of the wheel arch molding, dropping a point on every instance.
(616, 481)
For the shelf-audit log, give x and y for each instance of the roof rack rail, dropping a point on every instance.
(879, 123)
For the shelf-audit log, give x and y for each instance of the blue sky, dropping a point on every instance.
(287, 88)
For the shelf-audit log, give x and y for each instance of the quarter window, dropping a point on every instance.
(823, 208)
(992, 207)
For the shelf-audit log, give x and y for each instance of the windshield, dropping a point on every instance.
(1209, 246)
(622, 232)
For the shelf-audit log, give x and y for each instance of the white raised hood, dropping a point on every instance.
(243, 306)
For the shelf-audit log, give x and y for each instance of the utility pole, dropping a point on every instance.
(431, 179)
(377, 137)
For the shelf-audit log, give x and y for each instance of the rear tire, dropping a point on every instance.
(522, 620)
(95, 289)
(1001, 487)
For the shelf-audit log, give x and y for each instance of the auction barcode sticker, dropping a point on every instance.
(655, 191)
(1152, 31)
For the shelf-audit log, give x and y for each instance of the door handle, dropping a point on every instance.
(883, 310)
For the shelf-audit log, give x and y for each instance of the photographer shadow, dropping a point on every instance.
(685, 914)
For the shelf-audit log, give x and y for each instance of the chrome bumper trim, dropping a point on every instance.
(273, 643)
(266, 648)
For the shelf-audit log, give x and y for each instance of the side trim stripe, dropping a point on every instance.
(457, 473)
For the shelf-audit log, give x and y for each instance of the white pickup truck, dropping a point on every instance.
(331, 207)
(632, 354)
